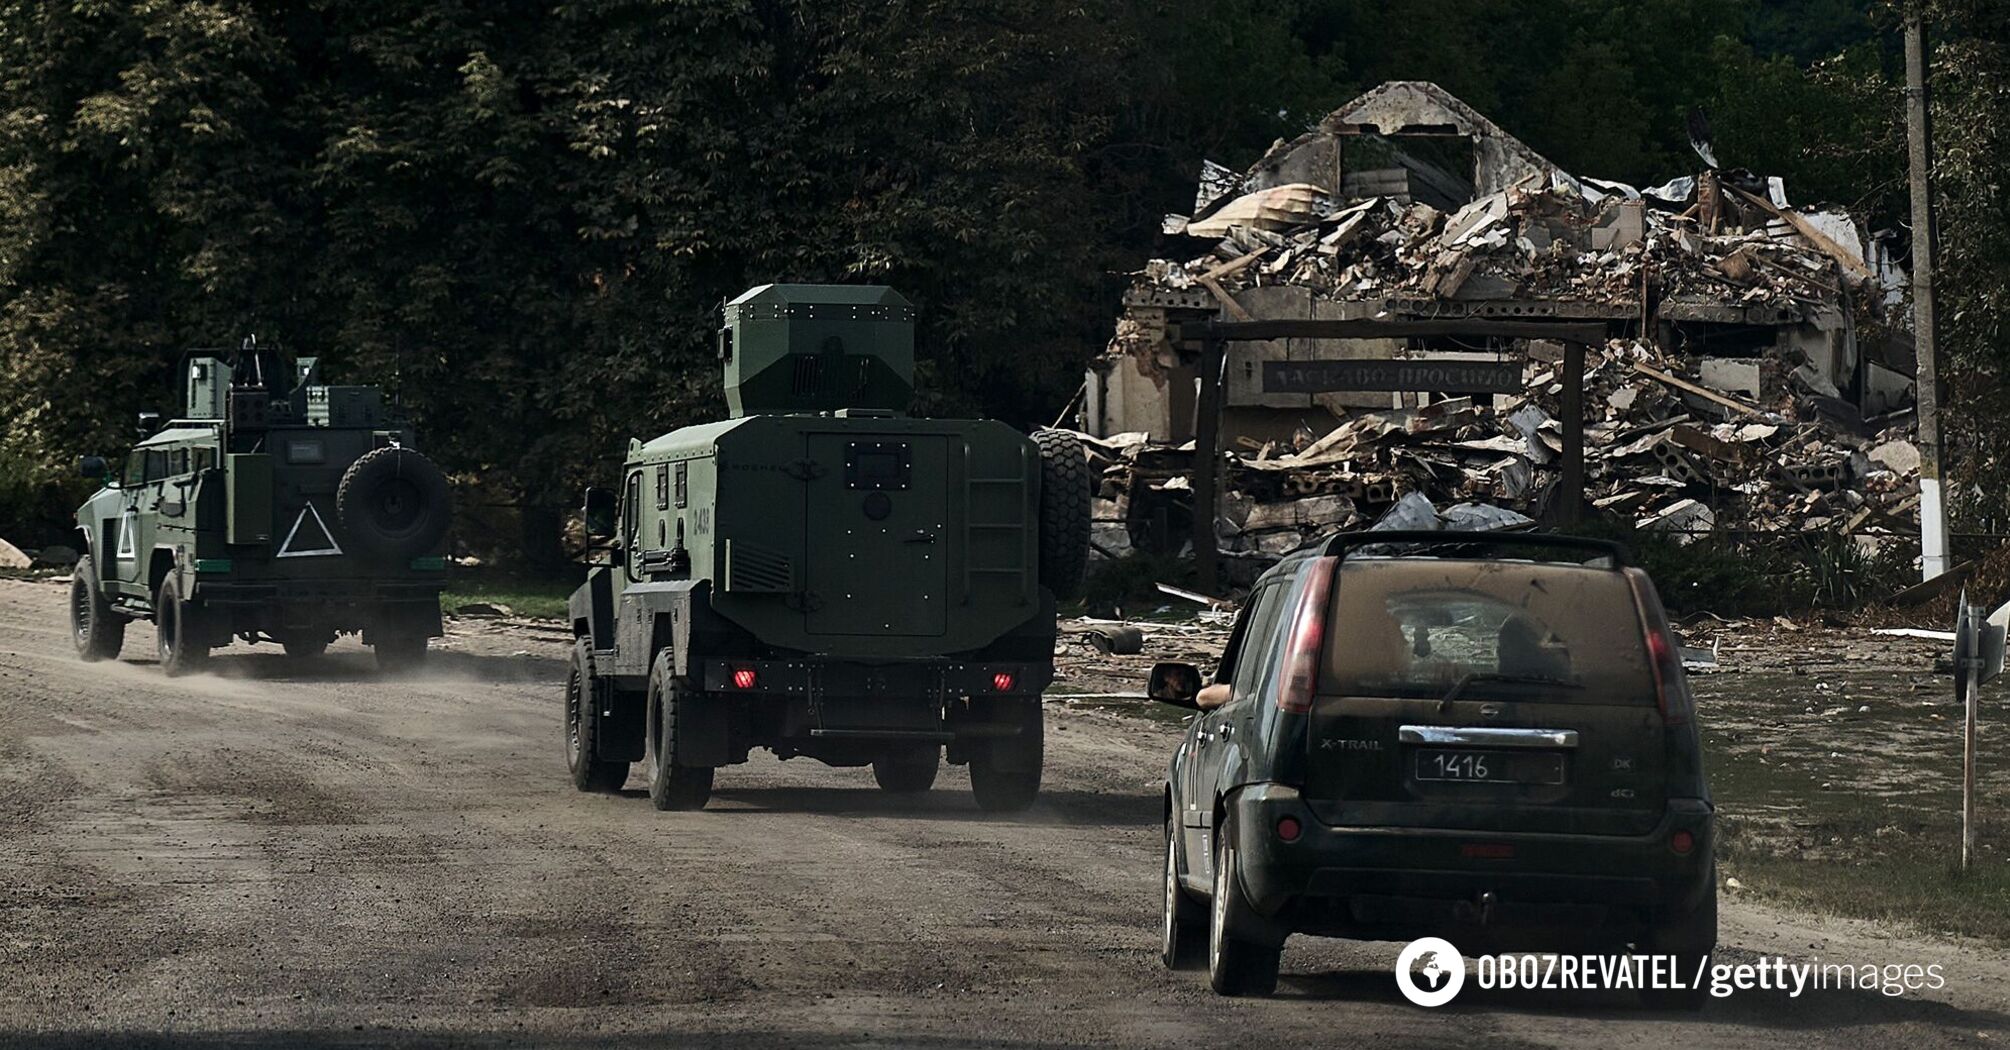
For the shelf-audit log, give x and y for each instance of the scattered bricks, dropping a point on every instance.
(1675, 462)
(1829, 474)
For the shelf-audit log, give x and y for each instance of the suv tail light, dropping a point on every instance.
(1300, 671)
(1671, 693)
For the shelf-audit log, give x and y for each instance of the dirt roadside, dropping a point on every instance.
(270, 855)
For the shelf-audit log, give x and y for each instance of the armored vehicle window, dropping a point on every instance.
(178, 462)
(663, 487)
(305, 450)
(136, 467)
(683, 489)
(157, 464)
(202, 459)
(631, 509)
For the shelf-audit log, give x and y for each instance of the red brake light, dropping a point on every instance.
(1288, 829)
(1682, 842)
(744, 678)
(1300, 673)
(1662, 654)
(1003, 681)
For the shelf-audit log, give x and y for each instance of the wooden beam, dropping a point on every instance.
(1569, 502)
(1703, 392)
(1227, 301)
(1207, 431)
(1807, 229)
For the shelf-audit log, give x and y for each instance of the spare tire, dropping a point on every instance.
(1064, 512)
(392, 504)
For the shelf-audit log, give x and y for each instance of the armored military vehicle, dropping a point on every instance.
(823, 575)
(276, 509)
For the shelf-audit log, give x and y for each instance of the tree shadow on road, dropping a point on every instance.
(1056, 807)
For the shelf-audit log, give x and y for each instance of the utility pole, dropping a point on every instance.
(1933, 555)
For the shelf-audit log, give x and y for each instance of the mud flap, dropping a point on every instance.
(404, 619)
(704, 733)
(621, 737)
(1020, 752)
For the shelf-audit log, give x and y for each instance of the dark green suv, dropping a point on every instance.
(1485, 738)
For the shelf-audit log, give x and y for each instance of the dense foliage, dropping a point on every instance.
(521, 216)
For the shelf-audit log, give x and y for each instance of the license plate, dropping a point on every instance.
(1490, 767)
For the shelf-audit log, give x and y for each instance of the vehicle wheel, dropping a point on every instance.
(1234, 966)
(1005, 774)
(1183, 938)
(305, 648)
(178, 634)
(671, 786)
(907, 771)
(399, 653)
(1064, 512)
(582, 728)
(393, 504)
(98, 632)
(1691, 942)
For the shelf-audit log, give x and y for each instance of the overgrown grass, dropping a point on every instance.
(538, 598)
(1760, 576)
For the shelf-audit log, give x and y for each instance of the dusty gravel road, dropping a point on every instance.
(314, 857)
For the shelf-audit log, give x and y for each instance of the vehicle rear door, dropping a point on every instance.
(1486, 695)
(877, 521)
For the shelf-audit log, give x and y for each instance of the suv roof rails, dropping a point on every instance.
(1461, 544)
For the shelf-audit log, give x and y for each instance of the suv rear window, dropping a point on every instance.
(1411, 627)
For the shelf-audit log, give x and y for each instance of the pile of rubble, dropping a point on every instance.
(1747, 381)
(1716, 238)
(1661, 450)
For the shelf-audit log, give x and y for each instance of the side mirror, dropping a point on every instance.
(598, 514)
(93, 467)
(150, 423)
(1174, 683)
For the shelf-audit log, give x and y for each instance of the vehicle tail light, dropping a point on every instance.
(1299, 675)
(1671, 693)
(1288, 829)
(1003, 681)
(1682, 842)
(744, 678)
(1487, 851)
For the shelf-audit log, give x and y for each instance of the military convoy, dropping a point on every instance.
(276, 508)
(822, 575)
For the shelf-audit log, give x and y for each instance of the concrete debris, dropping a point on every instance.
(1656, 454)
(1729, 392)
(12, 557)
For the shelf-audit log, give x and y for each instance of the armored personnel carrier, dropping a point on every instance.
(823, 575)
(275, 509)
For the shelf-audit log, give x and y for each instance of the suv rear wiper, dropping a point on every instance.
(1445, 703)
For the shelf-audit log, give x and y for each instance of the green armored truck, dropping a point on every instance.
(823, 575)
(276, 509)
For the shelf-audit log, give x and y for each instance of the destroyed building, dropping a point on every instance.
(1742, 371)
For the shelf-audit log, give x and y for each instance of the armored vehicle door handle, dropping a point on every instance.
(920, 536)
